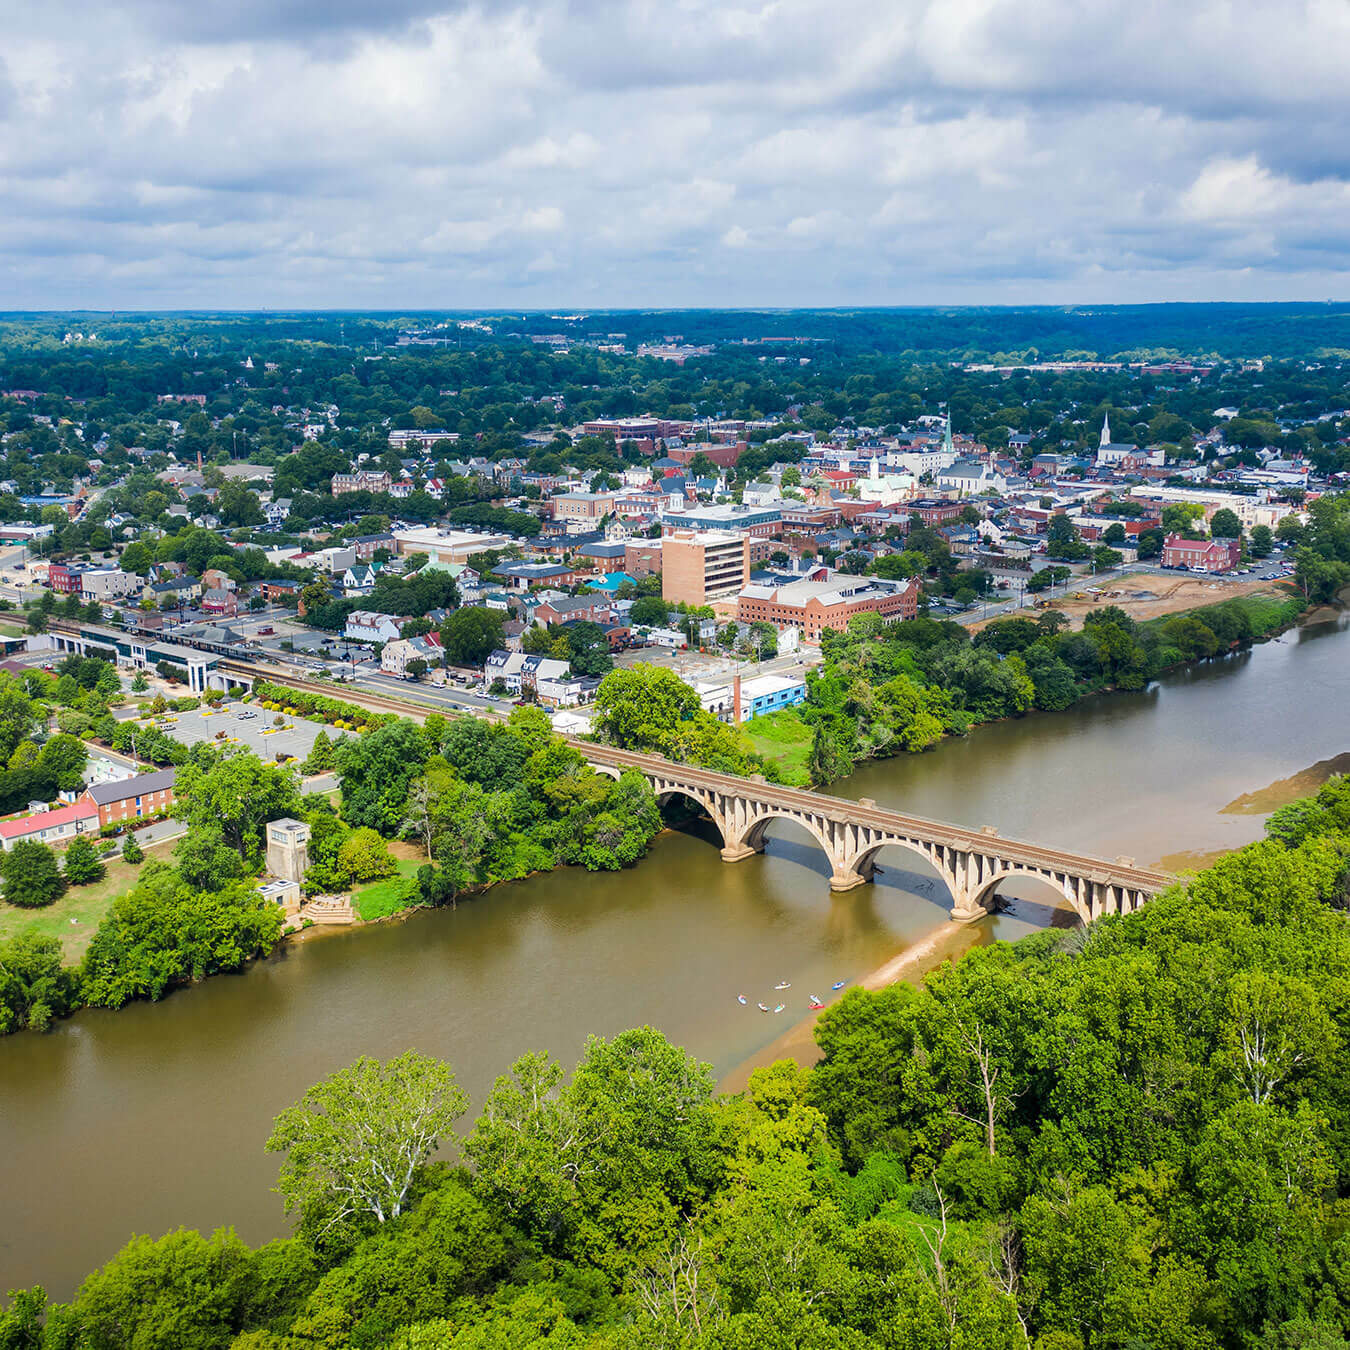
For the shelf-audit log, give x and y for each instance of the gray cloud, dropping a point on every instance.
(619, 152)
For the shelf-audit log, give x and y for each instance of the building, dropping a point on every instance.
(364, 480)
(587, 508)
(699, 566)
(520, 576)
(221, 602)
(51, 827)
(641, 557)
(135, 798)
(64, 578)
(445, 545)
(742, 700)
(396, 655)
(764, 522)
(1201, 555)
(813, 606)
(365, 625)
(107, 583)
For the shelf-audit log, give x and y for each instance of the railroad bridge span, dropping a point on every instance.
(972, 862)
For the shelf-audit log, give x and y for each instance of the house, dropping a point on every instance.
(134, 798)
(51, 827)
(277, 511)
(571, 608)
(535, 670)
(173, 592)
(505, 667)
(520, 576)
(213, 579)
(107, 583)
(359, 580)
(220, 601)
(397, 655)
(364, 625)
(1201, 555)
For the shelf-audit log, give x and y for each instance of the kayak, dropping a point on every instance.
(815, 1002)
(741, 999)
(838, 984)
(784, 985)
(763, 1007)
(780, 1007)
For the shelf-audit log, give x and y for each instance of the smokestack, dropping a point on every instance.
(736, 699)
(199, 461)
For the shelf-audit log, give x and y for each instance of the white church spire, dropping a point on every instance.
(1106, 429)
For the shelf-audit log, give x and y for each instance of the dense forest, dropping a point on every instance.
(1131, 1135)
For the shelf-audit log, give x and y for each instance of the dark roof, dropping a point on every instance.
(105, 794)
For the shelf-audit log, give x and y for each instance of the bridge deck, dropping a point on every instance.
(892, 822)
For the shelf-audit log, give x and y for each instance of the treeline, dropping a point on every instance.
(887, 689)
(487, 803)
(1135, 1134)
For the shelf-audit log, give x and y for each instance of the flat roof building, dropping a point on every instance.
(698, 566)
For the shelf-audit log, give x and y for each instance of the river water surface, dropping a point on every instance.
(156, 1115)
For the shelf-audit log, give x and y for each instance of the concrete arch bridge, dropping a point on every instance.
(971, 862)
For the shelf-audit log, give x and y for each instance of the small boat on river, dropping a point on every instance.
(780, 1007)
(815, 1003)
(784, 985)
(763, 1007)
(838, 984)
(742, 1000)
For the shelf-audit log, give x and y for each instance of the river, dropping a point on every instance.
(156, 1116)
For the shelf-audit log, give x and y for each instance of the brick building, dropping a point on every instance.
(1201, 555)
(813, 606)
(131, 798)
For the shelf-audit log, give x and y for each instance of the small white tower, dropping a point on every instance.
(1106, 430)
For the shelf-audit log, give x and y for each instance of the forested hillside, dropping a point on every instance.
(1135, 1135)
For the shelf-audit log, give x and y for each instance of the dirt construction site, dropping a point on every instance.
(1148, 595)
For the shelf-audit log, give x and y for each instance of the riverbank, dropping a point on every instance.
(798, 1042)
(1259, 613)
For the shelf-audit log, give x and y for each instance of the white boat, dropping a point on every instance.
(780, 1007)
(763, 1007)
(741, 999)
(784, 985)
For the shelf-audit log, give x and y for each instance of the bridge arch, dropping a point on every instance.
(750, 835)
(981, 896)
(607, 769)
(864, 863)
(664, 795)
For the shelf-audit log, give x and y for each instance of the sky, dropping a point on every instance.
(628, 153)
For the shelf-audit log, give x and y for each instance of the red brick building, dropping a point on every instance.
(1201, 555)
(132, 798)
(813, 606)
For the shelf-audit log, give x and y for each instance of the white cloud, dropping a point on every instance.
(705, 151)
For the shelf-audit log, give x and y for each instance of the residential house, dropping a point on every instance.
(397, 655)
(359, 580)
(364, 625)
(504, 666)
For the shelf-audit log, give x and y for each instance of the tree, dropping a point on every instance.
(132, 851)
(1224, 524)
(364, 856)
(234, 794)
(32, 878)
(320, 758)
(1262, 541)
(140, 682)
(649, 611)
(588, 649)
(357, 1143)
(82, 862)
(470, 635)
(641, 708)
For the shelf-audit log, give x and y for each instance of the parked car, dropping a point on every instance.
(266, 631)
(246, 714)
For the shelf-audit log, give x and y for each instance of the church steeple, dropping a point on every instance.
(947, 435)
(1106, 429)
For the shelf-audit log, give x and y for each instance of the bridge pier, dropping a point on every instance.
(843, 880)
(737, 852)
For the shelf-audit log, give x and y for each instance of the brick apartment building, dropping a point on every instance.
(813, 606)
(131, 798)
(702, 565)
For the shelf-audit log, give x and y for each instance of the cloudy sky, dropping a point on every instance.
(431, 153)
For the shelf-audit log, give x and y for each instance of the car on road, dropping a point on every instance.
(246, 714)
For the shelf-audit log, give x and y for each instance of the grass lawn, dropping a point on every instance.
(379, 899)
(76, 915)
(784, 738)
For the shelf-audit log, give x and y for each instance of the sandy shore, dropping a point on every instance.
(798, 1042)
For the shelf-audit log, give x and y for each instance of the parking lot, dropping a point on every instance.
(255, 732)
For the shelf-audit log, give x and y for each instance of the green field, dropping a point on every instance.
(379, 899)
(77, 914)
(785, 739)
(1268, 612)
